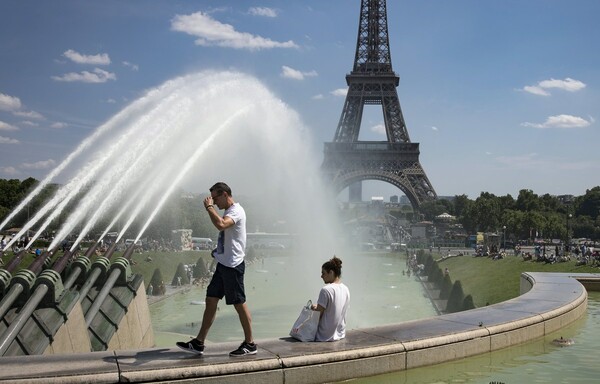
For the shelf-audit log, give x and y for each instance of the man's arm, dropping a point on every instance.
(221, 223)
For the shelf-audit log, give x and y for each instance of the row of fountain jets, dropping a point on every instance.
(44, 286)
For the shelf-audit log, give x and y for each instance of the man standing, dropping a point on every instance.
(228, 279)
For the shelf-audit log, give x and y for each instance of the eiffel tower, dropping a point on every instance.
(347, 161)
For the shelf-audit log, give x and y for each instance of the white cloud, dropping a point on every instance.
(13, 104)
(340, 92)
(521, 161)
(318, 97)
(379, 128)
(134, 67)
(59, 125)
(29, 123)
(262, 11)
(45, 164)
(98, 76)
(8, 140)
(111, 101)
(291, 73)
(532, 161)
(561, 121)
(211, 32)
(7, 127)
(29, 115)
(536, 90)
(434, 129)
(568, 84)
(9, 103)
(99, 59)
(9, 170)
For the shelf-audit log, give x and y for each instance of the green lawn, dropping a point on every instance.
(492, 281)
(167, 262)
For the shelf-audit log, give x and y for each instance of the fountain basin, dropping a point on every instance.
(549, 301)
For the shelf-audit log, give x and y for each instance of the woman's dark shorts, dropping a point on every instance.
(228, 282)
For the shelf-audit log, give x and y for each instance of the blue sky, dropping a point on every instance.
(501, 95)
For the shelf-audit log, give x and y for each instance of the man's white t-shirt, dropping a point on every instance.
(334, 298)
(231, 244)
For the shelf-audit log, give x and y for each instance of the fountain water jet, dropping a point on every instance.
(203, 127)
(133, 163)
(103, 129)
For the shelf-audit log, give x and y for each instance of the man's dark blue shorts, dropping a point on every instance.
(228, 282)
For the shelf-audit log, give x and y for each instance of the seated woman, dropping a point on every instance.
(332, 303)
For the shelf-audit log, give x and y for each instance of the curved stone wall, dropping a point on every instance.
(548, 302)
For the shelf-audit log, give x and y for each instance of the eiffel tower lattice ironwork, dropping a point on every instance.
(348, 161)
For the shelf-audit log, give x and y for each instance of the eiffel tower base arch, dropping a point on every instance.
(394, 163)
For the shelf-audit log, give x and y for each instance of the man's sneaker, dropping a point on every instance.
(192, 346)
(244, 349)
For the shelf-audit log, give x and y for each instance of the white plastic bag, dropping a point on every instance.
(305, 327)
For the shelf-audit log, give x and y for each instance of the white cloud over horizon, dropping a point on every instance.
(59, 125)
(378, 128)
(533, 161)
(210, 32)
(76, 57)
(7, 127)
(340, 92)
(561, 121)
(9, 103)
(291, 73)
(568, 84)
(95, 77)
(262, 11)
(133, 67)
(8, 140)
(44, 164)
(9, 171)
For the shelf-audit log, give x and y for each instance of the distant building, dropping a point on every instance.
(394, 199)
(566, 199)
(377, 199)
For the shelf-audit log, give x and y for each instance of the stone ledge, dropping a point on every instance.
(548, 302)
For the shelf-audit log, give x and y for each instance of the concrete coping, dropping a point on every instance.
(548, 302)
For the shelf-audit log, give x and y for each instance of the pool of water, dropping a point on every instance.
(539, 361)
(278, 286)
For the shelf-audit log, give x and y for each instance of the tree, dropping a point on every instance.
(487, 212)
(551, 203)
(589, 204)
(433, 208)
(461, 205)
(200, 269)
(535, 222)
(584, 227)
(468, 303)
(180, 273)
(506, 202)
(446, 287)
(429, 265)
(527, 201)
(157, 284)
(555, 226)
(456, 298)
(436, 275)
